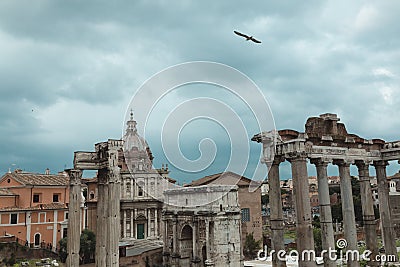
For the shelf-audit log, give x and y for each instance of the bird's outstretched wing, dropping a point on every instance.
(241, 34)
(255, 40)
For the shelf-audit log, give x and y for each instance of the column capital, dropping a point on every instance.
(363, 163)
(114, 175)
(320, 161)
(380, 163)
(296, 156)
(363, 170)
(75, 176)
(343, 162)
(278, 160)
(102, 178)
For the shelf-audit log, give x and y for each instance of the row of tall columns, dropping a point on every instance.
(305, 239)
(74, 218)
(131, 223)
(276, 215)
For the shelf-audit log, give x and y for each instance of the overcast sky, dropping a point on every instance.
(68, 69)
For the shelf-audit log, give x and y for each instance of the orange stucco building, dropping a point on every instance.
(34, 207)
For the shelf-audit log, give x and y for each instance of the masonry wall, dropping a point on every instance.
(252, 201)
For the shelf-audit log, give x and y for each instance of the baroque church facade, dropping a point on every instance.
(141, 188)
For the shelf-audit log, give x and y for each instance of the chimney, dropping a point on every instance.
(47, 171)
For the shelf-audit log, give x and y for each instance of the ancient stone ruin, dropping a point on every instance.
(326, 141)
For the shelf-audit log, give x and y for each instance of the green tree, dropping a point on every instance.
(316, 222)
(63, 249)
(87, 246)
(251, 247)
(317, 239)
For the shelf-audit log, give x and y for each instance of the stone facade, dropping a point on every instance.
(249, 201)
(207, 235)
(34, 207)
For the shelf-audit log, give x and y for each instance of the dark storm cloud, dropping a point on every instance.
(76, 64)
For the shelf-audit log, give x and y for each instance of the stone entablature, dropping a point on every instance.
(326, 138)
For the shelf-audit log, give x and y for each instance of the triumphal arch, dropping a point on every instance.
(326, 141)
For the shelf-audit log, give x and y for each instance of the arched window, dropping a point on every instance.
(91, 195)
(37, 240)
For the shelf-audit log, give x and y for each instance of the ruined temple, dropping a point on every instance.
(326, 141)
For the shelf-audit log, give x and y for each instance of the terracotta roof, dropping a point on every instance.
(395, 176)
(225, 178)
(39, 179)
(6, 192)
(50, 206)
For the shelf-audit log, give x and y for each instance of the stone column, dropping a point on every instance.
(276, 217)
(195, 259)
(166, 252)
(175, 236)
(132, 188)
(114, 219)
(349, 224)
(156, 222)
(305, 237)
(384, 209)
(132, 223)
(124, 224)
(74, 216)
(55, 228)
(328, 239)
(148, 223)
(101, 222)
(28, 227)
(368, 210)
(207, 239)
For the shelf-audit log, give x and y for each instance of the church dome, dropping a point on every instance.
(132, 140)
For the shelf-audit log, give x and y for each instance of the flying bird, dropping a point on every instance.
(248, 37)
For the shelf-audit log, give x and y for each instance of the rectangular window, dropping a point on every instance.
(245, 215)
(66, 215)
(56, 197)
(13, 218)
(36, 198)
(65, 232)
